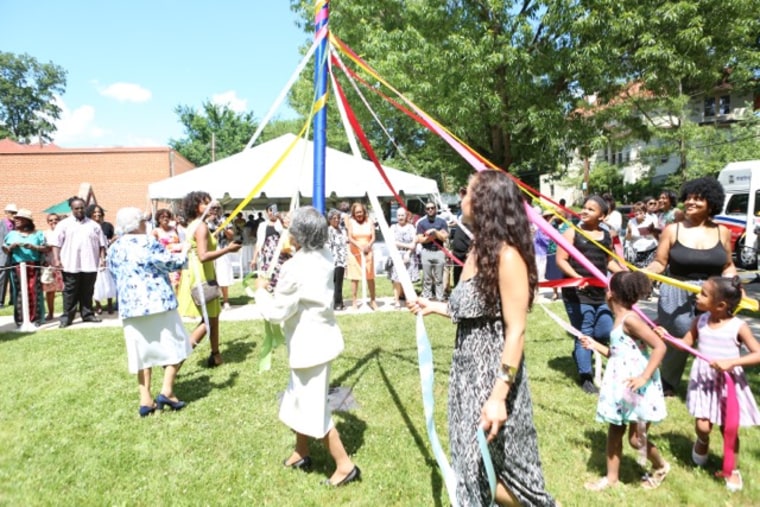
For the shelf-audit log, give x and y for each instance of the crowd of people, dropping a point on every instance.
(301, 259)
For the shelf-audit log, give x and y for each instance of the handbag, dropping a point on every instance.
(48, 275)
(210, 291)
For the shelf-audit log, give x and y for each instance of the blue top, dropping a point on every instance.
(141, 266)
(22, 253)
(424, 224)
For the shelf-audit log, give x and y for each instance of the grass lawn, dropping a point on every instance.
(70, 433)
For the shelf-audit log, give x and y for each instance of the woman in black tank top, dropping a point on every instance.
(692, 250)
(586, 306)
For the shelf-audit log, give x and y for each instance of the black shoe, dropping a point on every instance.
(589, 387)
(211, 362)
(353, 475)
(163, 401)
(63, 324)
(91, 318)
(302, 464)
(667, 390)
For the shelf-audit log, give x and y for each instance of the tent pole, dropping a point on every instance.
(321, 15)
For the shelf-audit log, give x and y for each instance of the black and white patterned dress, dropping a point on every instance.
(514, 451)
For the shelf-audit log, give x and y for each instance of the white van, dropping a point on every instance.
(741, 209)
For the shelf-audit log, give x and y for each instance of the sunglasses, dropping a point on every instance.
(429, 207)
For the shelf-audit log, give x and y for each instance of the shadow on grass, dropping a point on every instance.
(435, 478)
(233, 351)
(564, 364)
(13, 335)
(630, 471)
(199, 386)
(352, 430)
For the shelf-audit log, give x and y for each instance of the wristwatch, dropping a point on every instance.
(507, 374)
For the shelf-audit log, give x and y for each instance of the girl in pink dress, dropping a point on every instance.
(719, 335)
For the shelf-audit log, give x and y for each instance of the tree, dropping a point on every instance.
(215, 132)
(27, 97)
(672, 52)
(496, 73)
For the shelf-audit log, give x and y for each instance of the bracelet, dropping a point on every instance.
(507, 374)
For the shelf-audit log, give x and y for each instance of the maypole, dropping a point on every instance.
(321, 17)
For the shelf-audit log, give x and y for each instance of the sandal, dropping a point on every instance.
(600, 484)
(654, 479)
(733, 487)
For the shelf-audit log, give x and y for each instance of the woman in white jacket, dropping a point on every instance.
(302, 303)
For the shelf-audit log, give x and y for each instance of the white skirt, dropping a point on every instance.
(223, 267)
(105, 286)
(304, 405)
(159, 339)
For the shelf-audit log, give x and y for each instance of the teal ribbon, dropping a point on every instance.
(425, 358)
(490, 472)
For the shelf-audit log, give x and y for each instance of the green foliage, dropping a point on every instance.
(28, 90)
(215, 127)
(673, 52)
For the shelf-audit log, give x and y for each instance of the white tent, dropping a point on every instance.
(232, 178)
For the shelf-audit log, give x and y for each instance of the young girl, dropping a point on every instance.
(631, 392)
(719, 336)
(585, 305)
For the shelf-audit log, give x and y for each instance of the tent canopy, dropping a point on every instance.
(232, 178)
(62, 208)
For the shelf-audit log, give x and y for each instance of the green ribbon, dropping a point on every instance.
(272, 338)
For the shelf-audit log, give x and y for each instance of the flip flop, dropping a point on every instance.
(654, 479)
(600, 484)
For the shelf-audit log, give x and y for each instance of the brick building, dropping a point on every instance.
(38, 177)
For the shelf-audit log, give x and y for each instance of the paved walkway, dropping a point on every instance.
(249, 312)
(235, 313)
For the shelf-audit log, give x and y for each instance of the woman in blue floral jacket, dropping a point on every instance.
(153, 329)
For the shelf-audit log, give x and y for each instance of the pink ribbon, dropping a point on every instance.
(731, 407)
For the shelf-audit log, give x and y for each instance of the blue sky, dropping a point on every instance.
(130, 63)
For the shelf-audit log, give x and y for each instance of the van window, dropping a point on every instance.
(757, 203)
(737, 204)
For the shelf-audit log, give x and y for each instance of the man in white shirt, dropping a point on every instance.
(80, 250)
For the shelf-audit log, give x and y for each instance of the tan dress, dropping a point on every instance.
(362, 235)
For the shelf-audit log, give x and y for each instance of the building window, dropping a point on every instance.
(710, 106)
(724, 104)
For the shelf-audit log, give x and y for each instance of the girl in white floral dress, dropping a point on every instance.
(631, 391)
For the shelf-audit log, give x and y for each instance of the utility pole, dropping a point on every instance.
(213, 147)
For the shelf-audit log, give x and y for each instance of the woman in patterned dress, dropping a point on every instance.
(488, 385)
(267, 238)
(338, 243)
(153, 330)
(56, 285)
